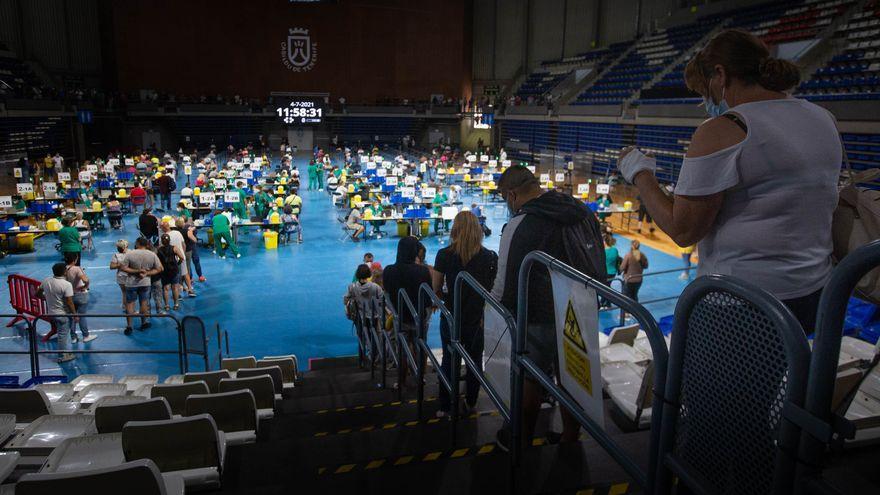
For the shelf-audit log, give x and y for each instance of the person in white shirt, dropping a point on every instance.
(58, 293)
(186, 192)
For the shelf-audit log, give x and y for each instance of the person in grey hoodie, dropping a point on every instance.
(364, 293)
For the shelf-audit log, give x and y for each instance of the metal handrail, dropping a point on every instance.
(462, 279)
(427, 290)
(414, 361)
(523, 365)
(35, 352)
(403, 350)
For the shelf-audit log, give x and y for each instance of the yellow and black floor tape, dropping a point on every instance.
(395, 403)
(402, 424)
(418, 458)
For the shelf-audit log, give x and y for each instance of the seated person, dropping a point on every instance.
(353, 223)
(138, 196)
(183, 211)
(186, 192)
(290, 225)
(339, 194)
(376, 210)
(114, 212)
(85, 231)
(438, 202)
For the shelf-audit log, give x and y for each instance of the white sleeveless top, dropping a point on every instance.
(780, 191)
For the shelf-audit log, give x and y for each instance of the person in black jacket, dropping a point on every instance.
(406, 274)
(565, 229)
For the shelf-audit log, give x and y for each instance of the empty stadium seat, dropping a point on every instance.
(211, 378)
(83, 453)
(56, 392)
(47, 432)
(272, 371)
(92, 392)
(110, 418)
(82, 381)
(176, 394)
(634, 398)
(7, 426)
(140, 477)
(191, 447)
(263, 389)
(113, 400)
(135, 382)
(8, 461)
(234, 364)
(235, 413)
(29, 404)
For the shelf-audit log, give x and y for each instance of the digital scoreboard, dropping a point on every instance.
(303, 111)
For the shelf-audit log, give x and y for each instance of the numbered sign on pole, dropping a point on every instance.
(429, 192)
(247, 174)
(64, 176)
(410, 180)
(108, 168)
(113, 161)
(408, 192)
(49, 188)
(484, 158)
(560, 177)
(24, 187)
(220, 183)
(85, 176)
(471, 158)
(231, 197)
(207, 198)
(396, 171)
(583, 189)
(381, 172)
(129, 162)
(5, 201)
(493, 163)
(371, 166)
(603, 188)
(545, 178)
(505, 163)
(255, 166)
(92, 168)
(187, 170)
(246, 159)
(16, 172)
(390, 181)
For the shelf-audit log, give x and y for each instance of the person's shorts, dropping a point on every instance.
(141, 294)
(170, 279)
(353, 226)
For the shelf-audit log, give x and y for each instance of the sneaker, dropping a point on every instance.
(66, 357)
(201, 279)
(74, 340)
(127, 331)
(502, 439)
(222, 257)
(191, 293)
(238, 255)
(89, 338)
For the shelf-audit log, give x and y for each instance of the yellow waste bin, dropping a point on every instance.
(426, 227)
(402, 229)
(271, 239)
(24, 242)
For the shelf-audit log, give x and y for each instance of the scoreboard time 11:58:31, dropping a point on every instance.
(300, 111)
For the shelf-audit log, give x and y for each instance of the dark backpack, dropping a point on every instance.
(169, 259)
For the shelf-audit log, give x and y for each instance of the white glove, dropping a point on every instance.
(634, 162)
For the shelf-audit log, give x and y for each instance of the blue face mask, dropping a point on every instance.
(715, 109)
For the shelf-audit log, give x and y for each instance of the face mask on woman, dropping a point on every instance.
(715, 109)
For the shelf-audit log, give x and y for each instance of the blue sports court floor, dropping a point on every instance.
(280, 301)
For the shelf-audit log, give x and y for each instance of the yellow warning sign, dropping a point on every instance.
(572, 328)
(577, 364)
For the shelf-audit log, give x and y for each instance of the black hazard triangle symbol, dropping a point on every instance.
(572, 329)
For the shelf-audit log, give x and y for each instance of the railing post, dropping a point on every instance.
(420, 363)
(383, 343)
(516, 371)
(455, 372)
(32, 347)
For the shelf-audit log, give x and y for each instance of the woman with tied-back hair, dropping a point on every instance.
(758, 185)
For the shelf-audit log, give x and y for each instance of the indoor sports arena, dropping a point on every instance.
(450, 247)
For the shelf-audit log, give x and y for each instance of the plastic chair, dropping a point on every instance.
(737, 363)
(274, 372)
(235, 413)
(176, 394)
(287, 366)
(261, 387)
(211, 378)
(26, 404)
(112, 418)
(234, 364)
(140, 477)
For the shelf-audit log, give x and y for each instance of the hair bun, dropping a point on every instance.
(777, 74)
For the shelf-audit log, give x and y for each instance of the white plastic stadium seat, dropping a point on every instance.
(82, 381)
(91, 393)
(859, 348)
(143, 391)
(140, 477)
(173, 379)
(29, 404)
(634, 399)
(191, 447)
(8, 461)
(84, 453)
(618, 372)
(134, 382)
(113, 400)
(7, 426)
(56, 392)
(234, 364)
(621, 352)
(47, 432)
(235, 414)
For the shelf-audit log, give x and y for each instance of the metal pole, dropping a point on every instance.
(35, 359)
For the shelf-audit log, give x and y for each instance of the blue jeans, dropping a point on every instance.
(62, 327)
(81, 303)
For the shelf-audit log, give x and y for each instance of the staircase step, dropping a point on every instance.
(320, 404)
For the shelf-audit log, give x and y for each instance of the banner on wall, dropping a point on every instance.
(577, 342)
